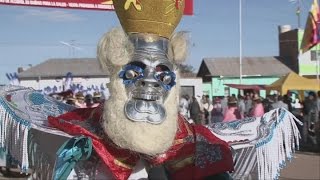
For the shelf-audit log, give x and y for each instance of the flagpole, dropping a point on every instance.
(298, 13)
(240, 40)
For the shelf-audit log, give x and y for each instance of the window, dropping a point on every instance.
(226, 91)
(314, 55)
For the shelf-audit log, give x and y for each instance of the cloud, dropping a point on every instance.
(52, 15)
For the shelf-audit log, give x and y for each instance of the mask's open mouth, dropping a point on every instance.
(147, 95)
(140, 110)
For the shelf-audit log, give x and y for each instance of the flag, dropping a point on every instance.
(8, 76)
(68, 80)
(311, 35)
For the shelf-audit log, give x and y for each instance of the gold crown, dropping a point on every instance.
(159, 17)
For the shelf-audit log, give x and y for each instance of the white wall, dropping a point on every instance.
(195, 82)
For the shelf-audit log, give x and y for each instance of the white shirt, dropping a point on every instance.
(184, 107)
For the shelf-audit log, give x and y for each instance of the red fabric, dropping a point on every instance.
(121, 162)
(220, 166)
(116, 160)
(188, 148)
(85, 4)
(188, 8)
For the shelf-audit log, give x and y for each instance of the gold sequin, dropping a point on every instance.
(135, 3)
(159, 17)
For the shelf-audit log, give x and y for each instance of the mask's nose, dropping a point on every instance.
(148, 80)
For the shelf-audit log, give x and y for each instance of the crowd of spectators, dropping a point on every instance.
(79, 100)
(221, 109)
(203, 110)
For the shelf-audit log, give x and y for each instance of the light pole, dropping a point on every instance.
(298, 12)
(240, 40)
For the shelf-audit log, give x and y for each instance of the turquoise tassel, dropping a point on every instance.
(72, 151)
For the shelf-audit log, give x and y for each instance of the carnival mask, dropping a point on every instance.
(148, 79)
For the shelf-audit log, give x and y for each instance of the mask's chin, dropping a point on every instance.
(145, 106)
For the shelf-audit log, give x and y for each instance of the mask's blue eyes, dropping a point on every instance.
(131, 74)
(166, 79)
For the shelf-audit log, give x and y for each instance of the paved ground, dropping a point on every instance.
(305, 166)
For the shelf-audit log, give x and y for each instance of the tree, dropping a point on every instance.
(185, 68)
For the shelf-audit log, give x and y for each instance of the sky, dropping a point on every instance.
(32, 35)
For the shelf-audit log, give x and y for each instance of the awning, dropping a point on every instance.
(247, 86)
(293, 81)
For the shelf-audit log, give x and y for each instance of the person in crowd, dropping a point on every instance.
(287, 99)
(279, 103)
(310, 104)
(297, 109)
(56, 97)
(184, 106)
(224, 104)
(257, 109)
(80, 100)
(232, 112)
(69, 99)
(248, 104)
(201, 100)
(89, 101)
(217, 111)
(241, 105)
(96, 97)
(267, 103)
(311, 111)
(297, 104)
(195, 111)
(59, 98)
(207, 108)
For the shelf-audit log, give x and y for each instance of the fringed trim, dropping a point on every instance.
(14, 136)
(279, 146)
(42, 167)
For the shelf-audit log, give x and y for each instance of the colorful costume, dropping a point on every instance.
(139, 123)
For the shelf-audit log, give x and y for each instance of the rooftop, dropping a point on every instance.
(251, 66)
(53, 68)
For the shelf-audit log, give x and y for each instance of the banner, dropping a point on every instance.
(81, 4)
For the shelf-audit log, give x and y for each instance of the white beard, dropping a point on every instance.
(142, 137)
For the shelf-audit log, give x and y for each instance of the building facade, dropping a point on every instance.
(218, 72)
(57, 75)
(304, 64)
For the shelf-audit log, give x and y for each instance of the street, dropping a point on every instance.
(304, 166)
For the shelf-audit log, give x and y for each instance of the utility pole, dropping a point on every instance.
(240, 40)
(298, 12)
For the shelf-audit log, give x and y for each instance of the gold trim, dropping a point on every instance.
(178, 141)
(135, 3)
(181, 163)
(120, 162)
